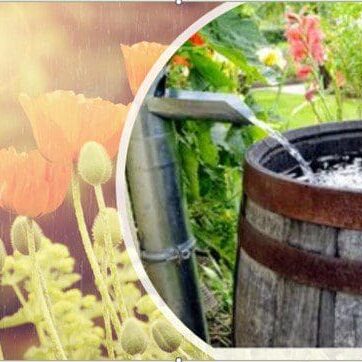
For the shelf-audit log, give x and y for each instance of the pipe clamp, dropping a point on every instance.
(179, 252)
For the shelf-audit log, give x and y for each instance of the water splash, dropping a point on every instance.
(343, 173)
(308, 173)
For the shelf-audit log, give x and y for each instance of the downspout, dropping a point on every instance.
(165, 239)
(159, 212)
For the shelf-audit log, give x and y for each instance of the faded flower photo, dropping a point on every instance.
(68, 288)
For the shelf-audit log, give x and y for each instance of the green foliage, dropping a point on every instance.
(236, 36)
(212, 72)
(74, 313)
(235, 30)
(344, 31)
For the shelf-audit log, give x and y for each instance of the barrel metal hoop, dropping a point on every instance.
(305, 267)
(337, 208)
(178, 253)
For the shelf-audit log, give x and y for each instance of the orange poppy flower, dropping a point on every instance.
(29, 184)
(139, 59)
(63, 121)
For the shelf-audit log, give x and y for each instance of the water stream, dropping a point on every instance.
(291, 149)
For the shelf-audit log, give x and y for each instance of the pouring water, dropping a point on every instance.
(308, 173)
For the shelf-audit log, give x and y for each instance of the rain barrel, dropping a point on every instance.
(298, 281)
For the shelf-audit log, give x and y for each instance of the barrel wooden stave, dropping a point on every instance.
(273, 311)
(348, 308)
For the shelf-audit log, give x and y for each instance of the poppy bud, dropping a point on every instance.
(94, 164)
(20, 232)
(2, 255)
(134, 340)
(145, 305)
(166, 336)
(106, 221)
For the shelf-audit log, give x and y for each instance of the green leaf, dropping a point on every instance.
(237, 57)
(236, 142)
(190, 166)
(235, 32)
(208, 150)
(212, 72)
(238, 39)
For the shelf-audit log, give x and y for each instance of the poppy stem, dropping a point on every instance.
(87, 244)
(22, 301)
(116, 282)
(186, 355)
(42, 293)
(107, 320)
(100, 197)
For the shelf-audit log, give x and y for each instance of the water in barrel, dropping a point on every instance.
(337, 171)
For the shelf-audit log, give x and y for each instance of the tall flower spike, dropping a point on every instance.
(29, 184)
(63, 121)
(139, 59)
(305, 37)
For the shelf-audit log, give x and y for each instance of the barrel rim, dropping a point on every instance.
(302, 134)
(299, 199)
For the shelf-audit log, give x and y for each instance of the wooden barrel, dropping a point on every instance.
(299, 274)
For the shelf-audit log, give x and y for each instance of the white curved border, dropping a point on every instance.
(121, 186)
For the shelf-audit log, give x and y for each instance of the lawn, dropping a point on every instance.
(289, 103)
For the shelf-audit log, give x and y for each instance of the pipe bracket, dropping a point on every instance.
(179, 253)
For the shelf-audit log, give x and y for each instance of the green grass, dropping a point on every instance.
(288, 103)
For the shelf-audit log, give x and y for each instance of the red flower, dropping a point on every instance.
(180, 60)
(197, 40)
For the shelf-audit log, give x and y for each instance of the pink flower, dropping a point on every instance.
(309, 94)
(304, 71)
(305, 37)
